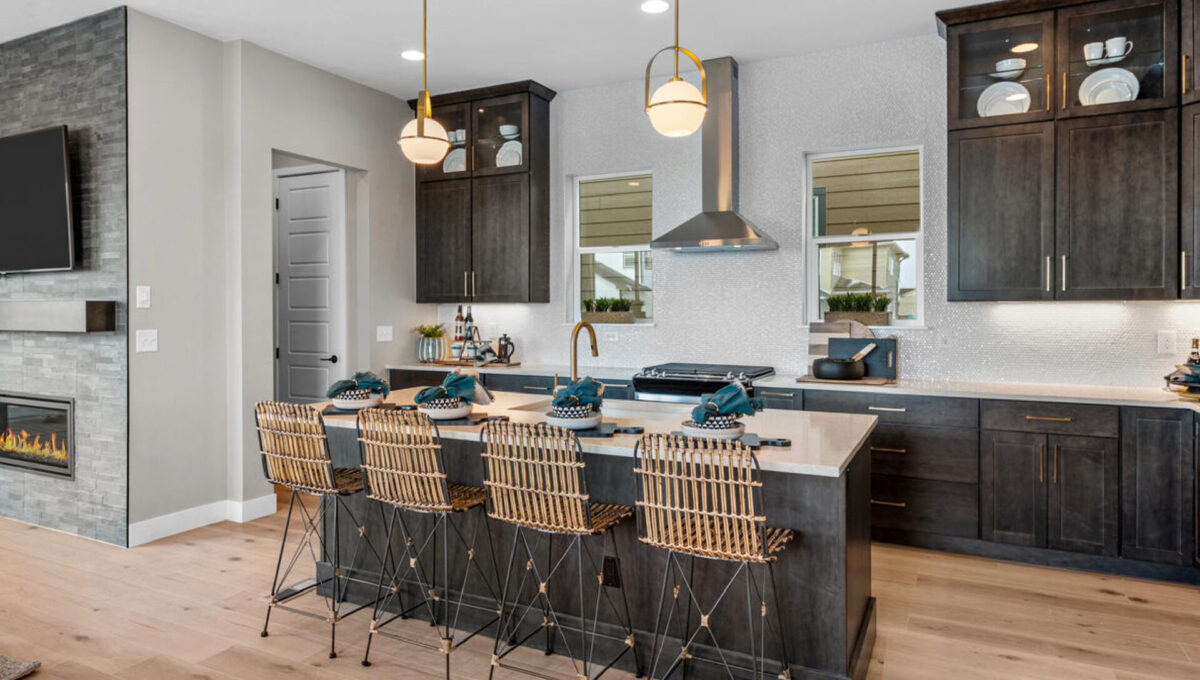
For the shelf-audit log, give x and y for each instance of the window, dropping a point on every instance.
(865, 217)
(612, 247)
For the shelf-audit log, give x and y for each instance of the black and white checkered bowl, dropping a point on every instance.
(444, 404)
(578, 411)
(354, 395)
(717, 422)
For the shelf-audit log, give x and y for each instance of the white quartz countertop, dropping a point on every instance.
(1077, 394)
(823, 444)
(547, 370)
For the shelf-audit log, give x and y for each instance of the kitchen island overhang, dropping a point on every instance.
(819, 487)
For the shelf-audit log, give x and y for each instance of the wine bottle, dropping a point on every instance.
(458, 326)
(468, 325)
(1194, 355)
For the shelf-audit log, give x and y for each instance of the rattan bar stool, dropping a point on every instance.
(404, 468)
(295, 454)
(535, 479)
(702, 498)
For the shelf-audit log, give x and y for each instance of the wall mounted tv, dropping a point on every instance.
(36, 227)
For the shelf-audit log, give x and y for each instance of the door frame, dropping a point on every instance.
(343, 301)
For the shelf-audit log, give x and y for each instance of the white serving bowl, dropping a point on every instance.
(1010, 68)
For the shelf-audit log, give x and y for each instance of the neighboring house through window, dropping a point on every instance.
(612, 242)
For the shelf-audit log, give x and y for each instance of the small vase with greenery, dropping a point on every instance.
(866, 308)
(431, 344)
(608, 310)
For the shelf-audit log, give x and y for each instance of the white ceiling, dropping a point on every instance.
(564, 44)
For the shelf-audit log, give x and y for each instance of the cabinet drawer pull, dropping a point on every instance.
(1049, 272)
(887, 409)
(1064, 91)
(1064, 268)
(1049, 99)
(464, 284)
(473, 288)
(1049, 419)
(1054, 474)
(886, 449)
(1183, 270)
(539, 388)
(890, 504)
(785, 395)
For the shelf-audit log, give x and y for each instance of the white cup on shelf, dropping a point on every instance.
(1118, 47)
(1093, 50)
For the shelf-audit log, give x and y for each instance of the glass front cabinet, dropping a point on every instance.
(1001, 71)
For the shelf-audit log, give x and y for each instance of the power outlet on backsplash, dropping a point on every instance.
(1166, 342)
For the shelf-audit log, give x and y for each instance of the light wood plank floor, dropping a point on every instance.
(191, 607)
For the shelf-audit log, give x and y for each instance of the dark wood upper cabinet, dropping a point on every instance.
(1117, 226)
(1158, 468)
(443, 240)
(1189, 217)
(483, 213)
(1141, 73)
(1083, 495)
(1012, 488)
(1001, 213)
(1001, 71)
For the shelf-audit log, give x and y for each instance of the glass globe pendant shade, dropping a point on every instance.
(677, 108)
(426, 149)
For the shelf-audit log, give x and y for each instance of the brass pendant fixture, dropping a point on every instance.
(677, 108)
(423, 140)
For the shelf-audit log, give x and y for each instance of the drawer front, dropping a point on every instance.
(790, 400)
(403, 378)
(899, 409)
(947, 454)
(617, 389)
(528, 384)
(945, 508)
(1050, 418)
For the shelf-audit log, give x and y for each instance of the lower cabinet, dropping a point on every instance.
(1158, 476)
(1049, 491)
(528, 384)
(404, 378)
(903, 504)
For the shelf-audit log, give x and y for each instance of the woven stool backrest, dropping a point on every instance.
(700, 496)
(294, 446)
(535, 477)
(402, 460)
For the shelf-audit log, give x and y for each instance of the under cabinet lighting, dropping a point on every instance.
(655, 6)
(412, 55)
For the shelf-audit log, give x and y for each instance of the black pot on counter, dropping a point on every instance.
(842, 369)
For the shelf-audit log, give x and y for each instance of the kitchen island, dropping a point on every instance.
(819, 486)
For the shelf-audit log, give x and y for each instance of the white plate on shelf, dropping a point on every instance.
(1102, 61)
(508, 155)
(588, 423)
(455, 161)
(1003, 99)
(1109, 86)
(731, 433)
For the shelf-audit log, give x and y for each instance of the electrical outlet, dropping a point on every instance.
(142, 296)
(383, 334)
(1166, 342)
(146, 340)
(611, 336)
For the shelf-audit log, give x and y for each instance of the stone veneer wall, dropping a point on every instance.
(75, 75)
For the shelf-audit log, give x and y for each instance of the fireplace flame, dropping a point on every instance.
(52, 449)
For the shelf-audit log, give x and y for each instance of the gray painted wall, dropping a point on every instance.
(749, 307)
(75, 75)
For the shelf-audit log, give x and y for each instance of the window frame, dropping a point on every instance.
(576, 251)
(813, 243)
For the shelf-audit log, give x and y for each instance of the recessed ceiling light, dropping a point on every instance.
(413, 55)
(655, 6)
(1025, 47)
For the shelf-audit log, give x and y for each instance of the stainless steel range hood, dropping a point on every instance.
(720, 227)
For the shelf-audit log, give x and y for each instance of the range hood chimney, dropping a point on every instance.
(719, 227)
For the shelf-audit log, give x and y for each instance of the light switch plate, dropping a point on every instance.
(143, 297)
(383, 334)
(1166, 342)
(146, 340)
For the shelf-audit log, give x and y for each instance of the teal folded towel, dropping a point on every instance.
(456, 385)
(580, 392)
(365, 380)
(727, 401)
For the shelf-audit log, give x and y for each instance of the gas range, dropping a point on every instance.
(684, 383)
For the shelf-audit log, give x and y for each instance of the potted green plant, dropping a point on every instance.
(608, 310)
(431, 345)
(866, 308)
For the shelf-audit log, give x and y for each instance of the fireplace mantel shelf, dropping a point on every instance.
(58, 316)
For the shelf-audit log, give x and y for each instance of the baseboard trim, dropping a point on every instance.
(155, 528)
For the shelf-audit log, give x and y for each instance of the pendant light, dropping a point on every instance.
(423, 140)
(677, 108)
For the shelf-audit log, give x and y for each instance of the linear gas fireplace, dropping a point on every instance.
(38, 433)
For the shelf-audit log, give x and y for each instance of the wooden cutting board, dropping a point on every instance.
(863, 381)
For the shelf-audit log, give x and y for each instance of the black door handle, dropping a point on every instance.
(331, 359)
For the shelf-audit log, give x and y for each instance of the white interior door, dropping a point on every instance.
(310, 290)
